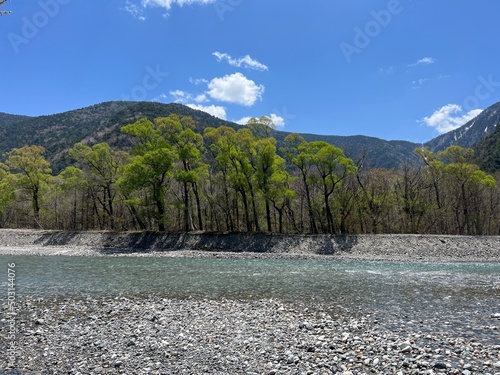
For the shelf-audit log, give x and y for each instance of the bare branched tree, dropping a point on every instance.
(3, 12)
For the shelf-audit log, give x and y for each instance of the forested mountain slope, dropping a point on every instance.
(488, 152)
(102, 123)
(8, 119)
(176, 174)
(98, 123)
(471, 133)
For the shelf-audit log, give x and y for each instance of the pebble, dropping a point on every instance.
(424, 248)
(154, 335)
(226, 337)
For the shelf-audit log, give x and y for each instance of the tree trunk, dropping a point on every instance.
(268, 217)
(247, 214)
(198, 206)
(312, 221)
(160, 207)
(186, 207)
(36, 206)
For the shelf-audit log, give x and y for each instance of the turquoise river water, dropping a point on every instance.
(418, 296)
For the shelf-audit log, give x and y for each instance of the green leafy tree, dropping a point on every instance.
(281, 194)
(411, 193)
(458, 186)
(434, 174)
(221, 143)
(466, 183)
(262, 127)
(262, 154)
(297, 153)
(188, 147)
(377, 199)
(72, 183)
(100, 165)
(232, 151)
(332, 167)
(245, 160)
(7, 188)
(323, 166)
(148, 168)
(32, 171)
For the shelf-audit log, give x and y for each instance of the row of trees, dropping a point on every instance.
(177, 179)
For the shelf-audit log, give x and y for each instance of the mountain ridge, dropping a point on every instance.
(469, 134)
(487, 154)
(102, 122)
(8, 119)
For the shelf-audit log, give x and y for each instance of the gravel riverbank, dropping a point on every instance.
(152, 335)
(416, 248)
(137, 334)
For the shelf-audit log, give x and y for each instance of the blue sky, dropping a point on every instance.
(393, 69)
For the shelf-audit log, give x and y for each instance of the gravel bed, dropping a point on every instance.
(385, 247)
(370, 256)
(156, 335)
(153, 335)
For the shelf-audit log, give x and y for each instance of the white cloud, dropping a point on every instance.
(160, 97)
(278, 121)
(235, 88)
(181, 96)
(167, 4)
(387, 71)
(184, 97)
(201, 98)
(134, 10)
(197, 81)
(245, 61)
(450, 117)
(214, 110)
(137, 11)
(424, 61)
(419, 82)
(243, 120)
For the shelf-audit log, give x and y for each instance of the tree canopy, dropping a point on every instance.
(177, 177)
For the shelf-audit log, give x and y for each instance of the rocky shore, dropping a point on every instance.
(427, 248)
(137, 334)
(152, 335)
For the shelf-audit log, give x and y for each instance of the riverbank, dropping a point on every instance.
(388, 247)
(354, 333)
(153, 335)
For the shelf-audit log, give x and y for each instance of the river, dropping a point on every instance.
(417, 296)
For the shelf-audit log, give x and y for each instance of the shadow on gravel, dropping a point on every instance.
(56, 238)
(22, 372)
(143, 241)
(338, 244)
(146, 242)
(109, 243)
